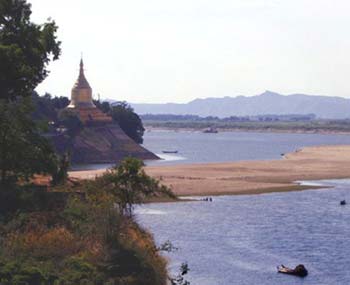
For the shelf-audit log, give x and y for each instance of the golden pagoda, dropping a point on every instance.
(101, 140)
(82, 103)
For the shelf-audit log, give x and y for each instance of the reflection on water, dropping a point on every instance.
(167, 157)
(241, 239)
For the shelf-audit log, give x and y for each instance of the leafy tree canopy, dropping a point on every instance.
(129, 184)
(124, 115)
(70, 120)
(105, 107)
(46, 107)
(128, 120)
(23, 151)
(25, 49)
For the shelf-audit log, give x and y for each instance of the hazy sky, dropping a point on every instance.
(178, 50)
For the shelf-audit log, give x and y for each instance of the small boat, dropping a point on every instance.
(210, 130)
(342, 202)
(170, 151)
(299, 270)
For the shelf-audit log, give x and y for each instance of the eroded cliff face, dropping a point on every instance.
(105, 143)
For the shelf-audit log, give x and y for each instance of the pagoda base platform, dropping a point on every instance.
(105, 143)
(91, 115)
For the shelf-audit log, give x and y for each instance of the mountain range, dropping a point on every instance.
(266, 103)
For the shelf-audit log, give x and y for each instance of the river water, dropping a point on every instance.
(241, 239)
(197, 147)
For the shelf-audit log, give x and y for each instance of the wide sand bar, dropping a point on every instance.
(251, 177)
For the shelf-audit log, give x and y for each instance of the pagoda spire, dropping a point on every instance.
(82, 100)
(81, 70)
(81, 81)
(81, 95)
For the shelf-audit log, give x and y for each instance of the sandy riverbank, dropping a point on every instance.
(251, 177)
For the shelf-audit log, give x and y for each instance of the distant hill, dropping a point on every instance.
(266, 103)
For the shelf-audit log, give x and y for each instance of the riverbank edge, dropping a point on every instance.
(250, 177)
(250, 130)
(291, 188)
(191, 198)
(257, 177)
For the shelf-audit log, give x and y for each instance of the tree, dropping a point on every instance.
(47, 107)
(128, 120)
(129, 184)
(25, 49)
(124, 115)
(105, 107)
(70, 120)
(60, 171)
(23, 151)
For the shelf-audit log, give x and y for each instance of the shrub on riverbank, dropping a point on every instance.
(86, 238)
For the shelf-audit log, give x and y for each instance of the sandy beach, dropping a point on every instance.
(250, 177)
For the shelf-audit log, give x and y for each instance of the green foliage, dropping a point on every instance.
(85, 239)
(130, 185)
(77, 270)
(124, 115)
(23, 151)
(60, 173)
(25, 49)
(128, 120)
(70, 120)
(46, 107)
(14, 198)
(74, 271)
(105, 107)
(76, 213)
(16, 273)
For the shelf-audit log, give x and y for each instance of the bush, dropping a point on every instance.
(87, 238)
(129, 185)
(18, 273)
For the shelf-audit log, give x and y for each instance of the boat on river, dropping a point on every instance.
(210, 130)
(299, 270)
(170, 151)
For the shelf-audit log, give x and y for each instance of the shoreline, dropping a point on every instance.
(256, 177)
(291, 188)
(249, 130)
(250, 177)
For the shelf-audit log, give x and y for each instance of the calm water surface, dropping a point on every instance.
(197, 147)
(241, 239)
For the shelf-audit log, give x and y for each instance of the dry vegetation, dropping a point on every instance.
(86, 238)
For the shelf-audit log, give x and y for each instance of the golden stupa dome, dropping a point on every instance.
(81, 95)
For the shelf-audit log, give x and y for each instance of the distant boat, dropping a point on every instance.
(210, 130)
(299, 270)
(170, 151)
